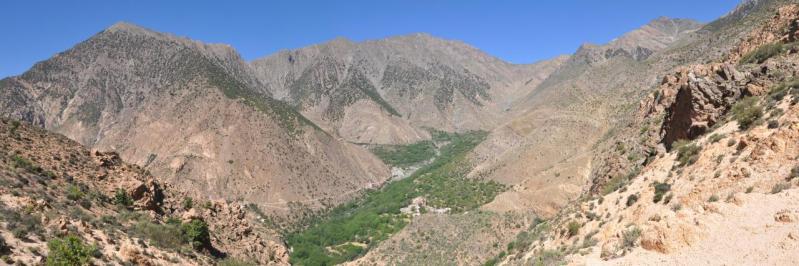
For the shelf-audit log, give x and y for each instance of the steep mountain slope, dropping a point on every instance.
(193, 114)
(547, 148)
(54, 189)
(722, 193)
(386, 91)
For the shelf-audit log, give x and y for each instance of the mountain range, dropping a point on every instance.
(415, 149)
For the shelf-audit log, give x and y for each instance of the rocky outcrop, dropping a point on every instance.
(694, 98)
(237, 236)
(783, 27)
(79, 201)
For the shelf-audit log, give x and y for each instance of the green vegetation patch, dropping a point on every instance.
(405, 155)
(762, 53)
(350, 230)
(747, 112)
(69, 250)
(660, 190)
(687, 152)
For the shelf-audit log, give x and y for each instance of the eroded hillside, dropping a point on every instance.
(193, 114)
(63, 203)
(720, 187)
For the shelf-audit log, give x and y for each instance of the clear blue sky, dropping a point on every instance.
(517, 31)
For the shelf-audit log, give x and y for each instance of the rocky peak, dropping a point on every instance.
(640, 43)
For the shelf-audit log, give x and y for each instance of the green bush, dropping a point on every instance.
(69, 251)
(632, 199)
(14, 126)
(687, 152)
(713, 198)
(196, 233)
(630, 237)
(167, 235)
(22, 224)
(573, 228)
(121, 198)
(779, 187)
(715, 138)
(74, 192)
(762, 53)
(188, 203)
(794, 172)
(660, 190)
(747, 112)
(772, 124)
(777, 93)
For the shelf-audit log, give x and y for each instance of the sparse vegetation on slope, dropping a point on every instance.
(351, 229)
(762, 53)
(747, 112)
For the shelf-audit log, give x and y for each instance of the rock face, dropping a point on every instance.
(192, 113)
(695, 98)
(783, 27)
(640, 43)
(401, 83)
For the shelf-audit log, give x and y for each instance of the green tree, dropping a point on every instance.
(69, 251)
(196, 233)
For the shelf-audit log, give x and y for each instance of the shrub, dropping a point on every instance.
(750, 189)
(715, 138)
(161, 235)
(632, 199)
(779, 187)
(731, 142)
(687, 152)
(21, 224)
(121, 198)
(3, 244)
(69, 251)
(762, 53)
(74, 192)
(713, 198)
(14, 127)
(188, 203)
(196, 233)
(573, 228)
(630, 237)
(660, 190)
(746, 112)
(794, 172)
(772, 124)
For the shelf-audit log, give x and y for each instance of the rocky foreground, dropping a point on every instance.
(54, 191)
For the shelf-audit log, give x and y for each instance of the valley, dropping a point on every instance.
(672, 144)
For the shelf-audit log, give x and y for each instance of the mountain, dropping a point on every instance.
(672, 142)
(386, 91)
(193, 114)
(548, 147)
(729, 179)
